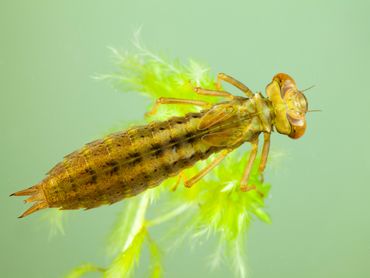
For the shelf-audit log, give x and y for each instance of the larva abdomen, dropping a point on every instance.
(122, 165)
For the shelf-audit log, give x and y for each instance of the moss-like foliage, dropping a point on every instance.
(214, 207)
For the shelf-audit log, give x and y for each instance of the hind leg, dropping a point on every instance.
(180, 177)
(207, 169)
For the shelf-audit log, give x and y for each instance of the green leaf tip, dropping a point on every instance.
(84, 269)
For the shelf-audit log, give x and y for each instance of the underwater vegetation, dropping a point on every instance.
(214, 208)
(127, 163)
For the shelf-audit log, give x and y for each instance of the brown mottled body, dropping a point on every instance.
(126, 163)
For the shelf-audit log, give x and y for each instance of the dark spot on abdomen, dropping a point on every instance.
(93, 179)
(114, 170)
(112, 163)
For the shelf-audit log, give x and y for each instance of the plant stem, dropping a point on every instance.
(168, 216)
(139, 220)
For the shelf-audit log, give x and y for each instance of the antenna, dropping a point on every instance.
(309, 88)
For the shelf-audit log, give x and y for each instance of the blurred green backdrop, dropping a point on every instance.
(50, 105)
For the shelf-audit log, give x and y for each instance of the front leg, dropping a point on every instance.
(219, 93)
(224, 77)
(265, 153)
(165, 100)
(214, 93)
(244, 186)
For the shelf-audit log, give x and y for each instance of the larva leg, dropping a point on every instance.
(265, 153)
(207, 169)
(164, 100)
(252, 156)
(224, 77)
(181, 176)
(215, 93)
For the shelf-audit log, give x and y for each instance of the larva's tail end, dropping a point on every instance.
(36, 195)
(34, 208)
(25, 192)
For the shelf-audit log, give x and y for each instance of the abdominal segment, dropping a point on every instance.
(126, 163)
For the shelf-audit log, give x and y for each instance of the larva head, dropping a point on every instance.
(289, 104)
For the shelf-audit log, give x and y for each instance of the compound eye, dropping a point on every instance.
(296, 101)
(295, 118)
(301, 102)
(288, 88)
(297, 122)
(297, 131)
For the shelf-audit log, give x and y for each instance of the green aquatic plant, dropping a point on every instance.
(214, 208)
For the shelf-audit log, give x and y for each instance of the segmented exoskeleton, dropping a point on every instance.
(128, 162)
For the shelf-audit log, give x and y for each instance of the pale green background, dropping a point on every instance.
(50, 105)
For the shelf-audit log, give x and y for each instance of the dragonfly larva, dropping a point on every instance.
(125, 163)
